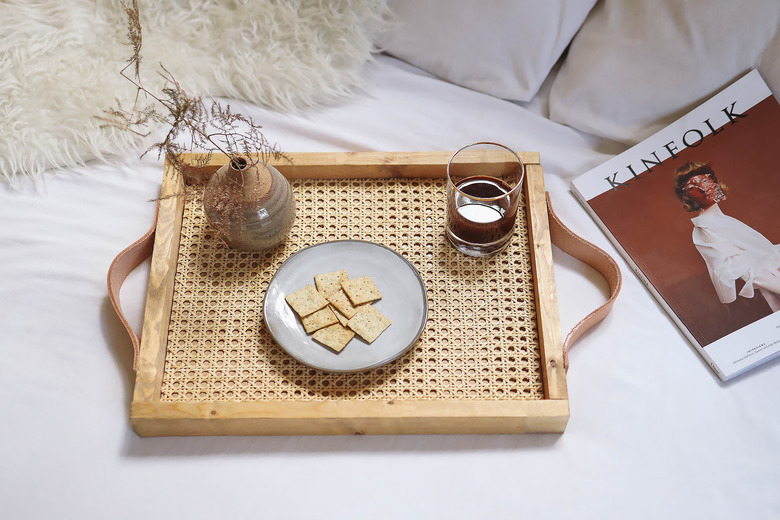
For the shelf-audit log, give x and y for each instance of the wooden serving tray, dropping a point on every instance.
(489, 361)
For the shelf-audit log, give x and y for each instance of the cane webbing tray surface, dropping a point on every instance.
(488, 360)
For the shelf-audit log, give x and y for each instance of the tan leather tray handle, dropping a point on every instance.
(561, 236)
(121, 267)
(597, 258)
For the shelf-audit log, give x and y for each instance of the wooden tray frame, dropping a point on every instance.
(150, 416)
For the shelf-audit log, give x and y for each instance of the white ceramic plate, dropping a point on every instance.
(404, 302)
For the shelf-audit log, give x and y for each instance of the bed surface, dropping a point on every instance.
(652, 433)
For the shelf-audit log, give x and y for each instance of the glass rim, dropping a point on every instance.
(487, 199)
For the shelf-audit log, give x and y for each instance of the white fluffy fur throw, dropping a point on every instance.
(60, 63)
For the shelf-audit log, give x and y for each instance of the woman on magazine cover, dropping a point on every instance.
(730, 248)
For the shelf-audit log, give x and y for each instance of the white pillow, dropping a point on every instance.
(504, 48)
(636, 66)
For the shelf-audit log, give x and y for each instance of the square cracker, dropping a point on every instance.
(369, 323)
(361, 290)
(319, 319)
(339, 316)
(329, 282)
(306, 301)
(334, 337)
(340, 300)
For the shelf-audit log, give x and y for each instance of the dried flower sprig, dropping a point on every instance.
(214, 128)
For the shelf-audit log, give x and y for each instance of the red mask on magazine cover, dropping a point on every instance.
(704, 190)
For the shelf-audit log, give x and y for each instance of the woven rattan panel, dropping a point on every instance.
(480, 340)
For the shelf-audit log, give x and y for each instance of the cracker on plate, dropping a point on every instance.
(334, 337)
(340, 300)
(361, 290)
(329, 282)
(319, 319)
(306, 301)
(369, 323)
(339, 316)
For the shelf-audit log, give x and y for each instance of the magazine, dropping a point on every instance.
(694, 211)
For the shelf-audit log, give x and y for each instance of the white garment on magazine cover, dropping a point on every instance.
(734, 250)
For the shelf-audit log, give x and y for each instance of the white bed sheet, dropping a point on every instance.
(652, 434)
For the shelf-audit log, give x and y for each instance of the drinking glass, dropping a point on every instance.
(484, 181)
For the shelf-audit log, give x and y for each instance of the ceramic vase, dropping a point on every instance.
(249, 205)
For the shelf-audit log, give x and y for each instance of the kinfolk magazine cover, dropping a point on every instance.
(695, 211)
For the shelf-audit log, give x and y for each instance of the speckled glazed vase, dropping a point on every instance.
(250, 206)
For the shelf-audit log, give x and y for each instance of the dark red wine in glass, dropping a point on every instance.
(482, 212)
